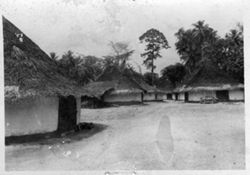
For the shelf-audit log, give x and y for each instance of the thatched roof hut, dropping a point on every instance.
(121, 82)
(139, 79)
(209, 81)
(210, 77)
(29, 71)
(98, 88)
(38, 99)
(114, 85)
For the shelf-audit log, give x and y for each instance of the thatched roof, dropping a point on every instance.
(29, 71)
(140, 80)
(121, 83)
(97, 89)
(210, 77)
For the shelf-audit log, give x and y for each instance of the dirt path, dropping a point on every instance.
(153, 136)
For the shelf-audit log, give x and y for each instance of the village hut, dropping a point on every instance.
(178, 92)
(211, 81)
(38, 99)
(167, 87)
(95, 92)
(120, 87)
(151, 93)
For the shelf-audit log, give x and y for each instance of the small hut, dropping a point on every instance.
(38, 99)
(120, 87)
(95, 92)
(151, 93)
(211, 81)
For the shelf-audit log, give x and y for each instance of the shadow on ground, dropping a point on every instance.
(88, 130)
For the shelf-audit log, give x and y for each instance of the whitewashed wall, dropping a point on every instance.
(181, 96)
(149, 97)
(197, 95)
(123, 97)
(161, 96)
(36, 115)
(236, 94)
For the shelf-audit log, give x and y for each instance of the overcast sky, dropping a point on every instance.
(87, 26)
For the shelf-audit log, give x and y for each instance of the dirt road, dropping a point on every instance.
(154, 136)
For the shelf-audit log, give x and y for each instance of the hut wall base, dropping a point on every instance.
(126, 97)
(31, 116)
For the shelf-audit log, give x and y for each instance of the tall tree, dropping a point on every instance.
(155, 41)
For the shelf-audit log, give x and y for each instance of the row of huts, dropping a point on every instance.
(207, 81)
(38, 99)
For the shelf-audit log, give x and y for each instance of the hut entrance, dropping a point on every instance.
(176, 96)
(67, 113)
(222, 95)
(142, 96)
(186, 96)
(169, 96)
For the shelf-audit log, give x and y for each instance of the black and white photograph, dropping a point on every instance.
(123, 86)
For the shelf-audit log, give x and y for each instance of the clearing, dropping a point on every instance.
(153, 136)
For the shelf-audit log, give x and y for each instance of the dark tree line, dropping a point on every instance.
(85, 69)
(194, 45)
(202, 42)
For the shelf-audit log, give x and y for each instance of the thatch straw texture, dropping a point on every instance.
(122, 82)
(209, 77)
(97, 89)
(29, 69)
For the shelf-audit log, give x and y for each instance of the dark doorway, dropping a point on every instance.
(222, 95)
(176, 96)
(186, 96)
(169, 97)
(67, 113)
(142, 96)
(156, 98)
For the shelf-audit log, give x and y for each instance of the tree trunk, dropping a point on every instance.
(152, 72)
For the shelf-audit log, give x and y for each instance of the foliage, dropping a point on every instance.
(202, 42)
(53, 56)
(175, 73)
(79, 68)
(120, 56)
(155, 41)
(195, 44)
(94, 64)
(231, 53)
(150, 77)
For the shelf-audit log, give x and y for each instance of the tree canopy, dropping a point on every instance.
(80, 68)
(173, 73)
(202, 42)
(194, 45)
(155, 41)
(120, 56)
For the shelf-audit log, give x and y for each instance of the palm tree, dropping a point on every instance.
(53, 56)
(205, 37)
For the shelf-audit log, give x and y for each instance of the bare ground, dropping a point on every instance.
(155, 136)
